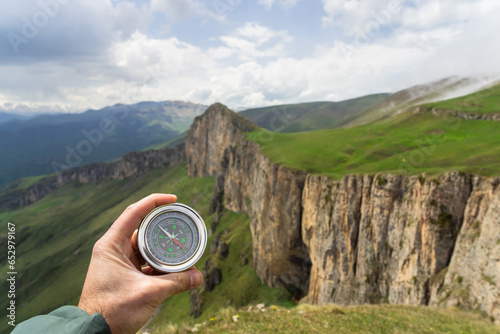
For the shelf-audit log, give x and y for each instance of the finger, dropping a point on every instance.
(128, 221)
(171, 284)
(140, 259)
(150, 271)
(135, 245)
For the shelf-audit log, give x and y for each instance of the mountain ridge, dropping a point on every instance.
(48, 143)
(310, 116)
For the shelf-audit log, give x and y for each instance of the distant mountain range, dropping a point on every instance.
(6, 116)
(49, 143)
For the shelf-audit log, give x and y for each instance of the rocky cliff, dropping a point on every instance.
(133, 164)
(270, 194)
(361, 239)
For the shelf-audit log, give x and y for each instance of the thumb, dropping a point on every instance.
(168, 285)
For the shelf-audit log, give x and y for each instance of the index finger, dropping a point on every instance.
(128, 221)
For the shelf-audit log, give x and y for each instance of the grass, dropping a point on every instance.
(27, 182)
(404, 144)
(334, 319)
(179, 139)
(484, 101)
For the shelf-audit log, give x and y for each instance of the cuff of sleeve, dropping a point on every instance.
(66, 319)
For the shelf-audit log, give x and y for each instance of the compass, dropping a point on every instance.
(172, 238)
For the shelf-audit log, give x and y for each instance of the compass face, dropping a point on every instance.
(175, 237)
(172, 238)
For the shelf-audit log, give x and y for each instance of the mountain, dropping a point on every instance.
(430, 92)
(50, 143)
(310, 116)
(5, 117)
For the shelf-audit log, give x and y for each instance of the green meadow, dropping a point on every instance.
(403, 144)
(484, 101)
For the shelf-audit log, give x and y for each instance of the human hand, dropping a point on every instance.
(116, 286)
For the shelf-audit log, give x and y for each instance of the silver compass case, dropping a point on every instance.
(172, 238)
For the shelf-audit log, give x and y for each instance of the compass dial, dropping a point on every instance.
(172, 238)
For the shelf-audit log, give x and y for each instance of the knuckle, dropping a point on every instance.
(181, 283)
(130, 208)
(99, 248)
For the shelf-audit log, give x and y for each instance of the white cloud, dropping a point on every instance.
(253, 40)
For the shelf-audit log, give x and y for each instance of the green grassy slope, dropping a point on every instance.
(334, 319)
(402, 144)
(413, 96)
(310, 116)
(172, 143)
(483, 101)
(55, 237)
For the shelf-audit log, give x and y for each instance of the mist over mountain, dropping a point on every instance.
(443, 89)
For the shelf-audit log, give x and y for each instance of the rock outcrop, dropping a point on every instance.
(269, 193)
(383, 238)
(134, 164)
(361, 239)
(439, 112)
(212, 276)
(473, 276)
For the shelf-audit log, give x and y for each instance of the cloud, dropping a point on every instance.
(424, 15)
(47, 29)
(251, 41)
(102, 52)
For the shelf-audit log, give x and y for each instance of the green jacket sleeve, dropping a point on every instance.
(67, 319)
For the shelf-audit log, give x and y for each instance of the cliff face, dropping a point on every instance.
(133, 164)
(473, 277)
(270, 194)
(362, 239)
(388, 237)
(209, 138)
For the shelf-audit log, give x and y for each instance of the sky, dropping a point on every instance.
(70, 55)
